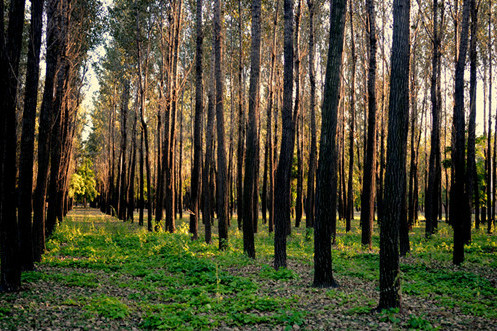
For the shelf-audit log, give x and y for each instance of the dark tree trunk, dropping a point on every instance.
(241, 124)
(432, 194)
(207, 176)
(249, 194)
(10, 50)
(326, 185)
(296, 119)
(197, 138)
(142, 183)
(222, 191)
(269, 137)
(368, 188)
(459, 208)
(45, 123)
(282, 185)
(132, 167)
(398, 117)
(413, 168)
(349, 213)
(28, 136)
(471, 183)
(124, 139)
(488, 158)
(311, 192)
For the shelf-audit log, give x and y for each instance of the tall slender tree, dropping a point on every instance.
(28, 136)
(311, 192)
(471, 183)
(432, 194)
(10, 52)
(249, 194)
(459, 208)
(282, 186)
(326, 186)
(368, 188)
(222, 172)
(197, 138)
(398, 117)
(349, 214)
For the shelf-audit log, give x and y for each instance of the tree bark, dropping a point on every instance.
(222, 192)
(10, 50)
(396, 158)
(282, 187)
(368, 188)
(311, 192)
(249, 194)
(197, 138)
(326, 186)
(459, 209)
(471, 183)
(28, 136)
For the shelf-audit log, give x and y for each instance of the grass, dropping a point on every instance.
(99, 272)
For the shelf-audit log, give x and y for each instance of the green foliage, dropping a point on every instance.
(419, 323)
(280, 274)
(83, 186)
(109, 307)
(101, 269)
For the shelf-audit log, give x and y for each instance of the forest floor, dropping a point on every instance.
(101, 273)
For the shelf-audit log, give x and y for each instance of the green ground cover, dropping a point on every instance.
(101, 273)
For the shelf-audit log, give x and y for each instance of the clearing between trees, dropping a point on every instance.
(102, 273)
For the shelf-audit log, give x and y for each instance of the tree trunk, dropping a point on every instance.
(459, 209)
(241, 124)
(28, 136)
(207, 175)
(326, 185)
(142, 183)
(311, 192)
(249, 194)
(471, 183)
(10, 50)
(296, 117)
(488, 157)
(45, 123)
(368, 188)
(398, 117)
(222, 192)
(197, 138)
(432, 194)
(282, 187)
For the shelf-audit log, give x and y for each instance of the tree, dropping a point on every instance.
(83, 186)
(45, 123)
(398, 116)
(249, 186)
(349, 213)
(28, 136)
(197, 156)
(10, 51)
(311, 192)
(459, 206)
(432, 194)
(471, 176)
(368, 188)
(326, 186)
(282, 185)
(222, 173)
